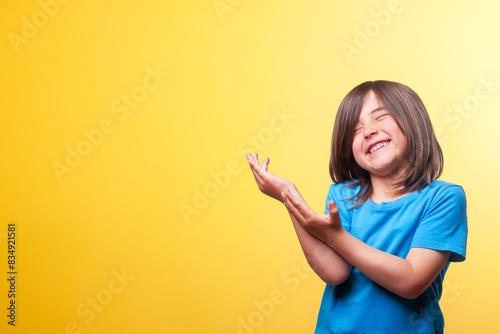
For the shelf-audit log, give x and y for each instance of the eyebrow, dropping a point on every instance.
(377, 110)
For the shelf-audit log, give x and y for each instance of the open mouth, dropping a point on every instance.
(377, 146)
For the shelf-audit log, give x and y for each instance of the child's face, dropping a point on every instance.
(378, 145)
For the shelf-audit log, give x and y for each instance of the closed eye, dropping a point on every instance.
(357, 130)
(381, 117)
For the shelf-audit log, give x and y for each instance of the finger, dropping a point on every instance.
(305, 211)
(332, 208)
(292, 209)
(265, 163)
(252, 161)
(333, 212)
(251, 158)
(300, 205)
(295, 200)
(256, 170)
(260, 172)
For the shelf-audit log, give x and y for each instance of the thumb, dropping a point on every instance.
(332, 208)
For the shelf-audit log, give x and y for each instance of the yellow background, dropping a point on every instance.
(231, 264)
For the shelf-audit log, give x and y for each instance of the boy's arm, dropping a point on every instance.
(407, 277)
(327, 264)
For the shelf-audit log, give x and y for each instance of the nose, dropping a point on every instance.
(369, 131)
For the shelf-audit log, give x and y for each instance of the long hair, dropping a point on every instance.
(423, 155)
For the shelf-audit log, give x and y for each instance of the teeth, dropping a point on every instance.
(376, 147)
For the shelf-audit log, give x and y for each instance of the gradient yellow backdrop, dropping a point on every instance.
(123, 127)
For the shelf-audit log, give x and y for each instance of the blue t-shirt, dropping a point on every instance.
(435, 218)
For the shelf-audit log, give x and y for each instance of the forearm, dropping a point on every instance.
(325, 262)
(392, 272)
(407, 277)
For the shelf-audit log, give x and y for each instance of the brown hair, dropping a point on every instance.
(423, 154)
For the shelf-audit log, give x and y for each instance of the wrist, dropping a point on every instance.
(335, 237)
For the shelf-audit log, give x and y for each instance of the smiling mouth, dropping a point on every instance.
(378, 146)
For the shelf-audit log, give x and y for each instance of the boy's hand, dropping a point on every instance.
(322, 227)
(268, 183)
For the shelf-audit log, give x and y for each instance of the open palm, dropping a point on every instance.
(268, 183)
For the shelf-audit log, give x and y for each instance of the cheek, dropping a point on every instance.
(397, 135)
(401, 141)
(357, 149)
(404, 145)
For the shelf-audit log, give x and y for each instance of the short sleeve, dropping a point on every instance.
(443, 226)
(334, 194)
